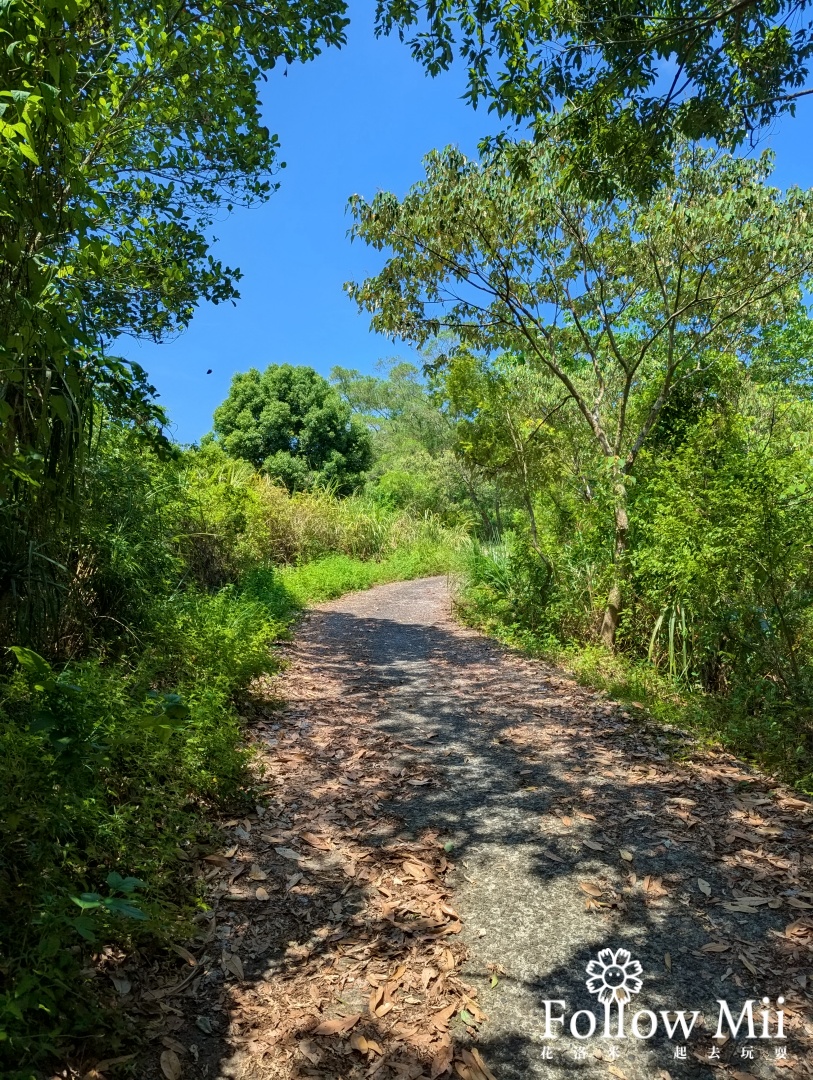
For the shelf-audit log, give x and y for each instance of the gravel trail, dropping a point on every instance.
(573, 830)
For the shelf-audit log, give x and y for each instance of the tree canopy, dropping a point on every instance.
(621, 304)
(291, 423)
(620, 82)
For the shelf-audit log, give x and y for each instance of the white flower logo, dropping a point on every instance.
(614, 977)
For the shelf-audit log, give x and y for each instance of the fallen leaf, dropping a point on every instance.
(358, 1042)
(715, 947)
(316, 841)
(376, 998)
(310, 1050)
(745, 904)
(122, 985)
(627, 856)
(704, 887)
(232, 962)
(591, 889)
(593, 845)
(667, 960)
(108, 1063)
(185, 954)
(171, 1065)
(475, 1053)
(550, 855)
(217, 860)
(336, 1024)
(262, 894)
(441, 1019)
(256, 873)
(616, 1072)
(289, 853)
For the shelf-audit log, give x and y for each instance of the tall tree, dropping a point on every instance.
(620, 303)
(125, 128)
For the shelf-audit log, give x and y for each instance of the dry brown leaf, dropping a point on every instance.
(262, 894)
(441, 1062)
(310, 1050)
(616, 1072)
(447, 962)
(591, 889)
(217, 860)
(376, 998)
(358, 1042)
(626, 855)
(414, 870)
(289, 853)
(232, 962)
(715, 947)
(550, 855)
(185, 954)
(483, 1067)
(316, 841)
(336, 1025)
(667, 960)
(108, 1063)
(171, 1065)
(593, 845)
(441, 1019)
(256, 873)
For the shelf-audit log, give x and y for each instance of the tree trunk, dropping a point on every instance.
(612, 613)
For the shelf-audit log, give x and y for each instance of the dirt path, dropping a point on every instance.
(418, 772)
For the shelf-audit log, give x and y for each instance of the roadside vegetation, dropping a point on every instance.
(609, 431)
(121, 730)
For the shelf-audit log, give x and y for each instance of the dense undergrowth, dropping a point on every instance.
(121, 734)
(508, 591)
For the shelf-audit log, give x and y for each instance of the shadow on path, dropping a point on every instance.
(572, 830)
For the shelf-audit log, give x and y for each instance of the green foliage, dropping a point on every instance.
(718, 625)
(289, 422)
(415, 467)
(609, 303)
(124, 130)
(620, 82)
(116, 747)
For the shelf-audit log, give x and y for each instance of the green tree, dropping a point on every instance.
(622, 82)
(291, 423)
(619, 304)
(125, 128)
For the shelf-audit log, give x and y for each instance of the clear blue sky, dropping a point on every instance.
(355, 120)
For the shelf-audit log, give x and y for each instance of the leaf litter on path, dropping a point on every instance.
(350, 965)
